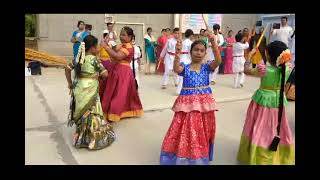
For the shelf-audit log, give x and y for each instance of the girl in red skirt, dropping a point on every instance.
(120, 98)
(191, 135)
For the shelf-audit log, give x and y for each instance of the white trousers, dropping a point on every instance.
(168, 69)
(238, 79)
(137, 76)
(213, 75)
(180, 83)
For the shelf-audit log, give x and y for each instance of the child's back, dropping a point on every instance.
(266, 137)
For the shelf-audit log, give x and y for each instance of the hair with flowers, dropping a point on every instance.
(284, 57)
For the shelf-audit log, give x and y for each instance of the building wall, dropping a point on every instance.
(236, 22)
(55, 30)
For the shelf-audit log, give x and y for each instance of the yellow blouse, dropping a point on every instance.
(104, 54)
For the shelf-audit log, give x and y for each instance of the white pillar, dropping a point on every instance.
(177, 20)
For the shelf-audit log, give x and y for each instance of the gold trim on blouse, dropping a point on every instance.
(191, 88)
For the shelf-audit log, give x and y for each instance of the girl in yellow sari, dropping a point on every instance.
(92, 131)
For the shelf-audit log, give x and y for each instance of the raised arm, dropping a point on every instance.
(73, 38)
(273, 31)
(68, 69)
(115, 36)
(245, 44)
(177, 67)
(253, 31)
(164, 50)
(115, 55)
(259, 71)
(214, 46)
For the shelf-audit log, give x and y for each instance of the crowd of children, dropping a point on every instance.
(105, 90)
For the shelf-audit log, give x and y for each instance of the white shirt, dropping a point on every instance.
(221, 40)
(169, 47)
(137, 54)
(283, 34)
(79, 34)
(238, 48)
(186, 47)
(111, 36)
(209, 49)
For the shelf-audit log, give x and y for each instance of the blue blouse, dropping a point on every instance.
(77, 44)
(193, 79)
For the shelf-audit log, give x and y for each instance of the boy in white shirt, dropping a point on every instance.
(185, 57)
(239, 60)
(167, 54)
(283, 34)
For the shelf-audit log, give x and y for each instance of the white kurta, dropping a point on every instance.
(184, 58)
(238, 56)
(169, 47)
(283, 34)
(186, 47)
(209, 49)
(137, 55)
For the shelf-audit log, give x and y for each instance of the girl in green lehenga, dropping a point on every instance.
(92, 131)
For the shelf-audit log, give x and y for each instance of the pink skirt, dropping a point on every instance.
(258, 132)
(228, 61)
(191, 132)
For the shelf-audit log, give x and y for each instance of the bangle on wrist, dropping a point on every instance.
(103, 71)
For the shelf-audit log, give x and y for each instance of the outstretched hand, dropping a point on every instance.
(252, 52)
(211, 37)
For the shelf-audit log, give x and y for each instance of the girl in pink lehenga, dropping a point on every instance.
(228, 53)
